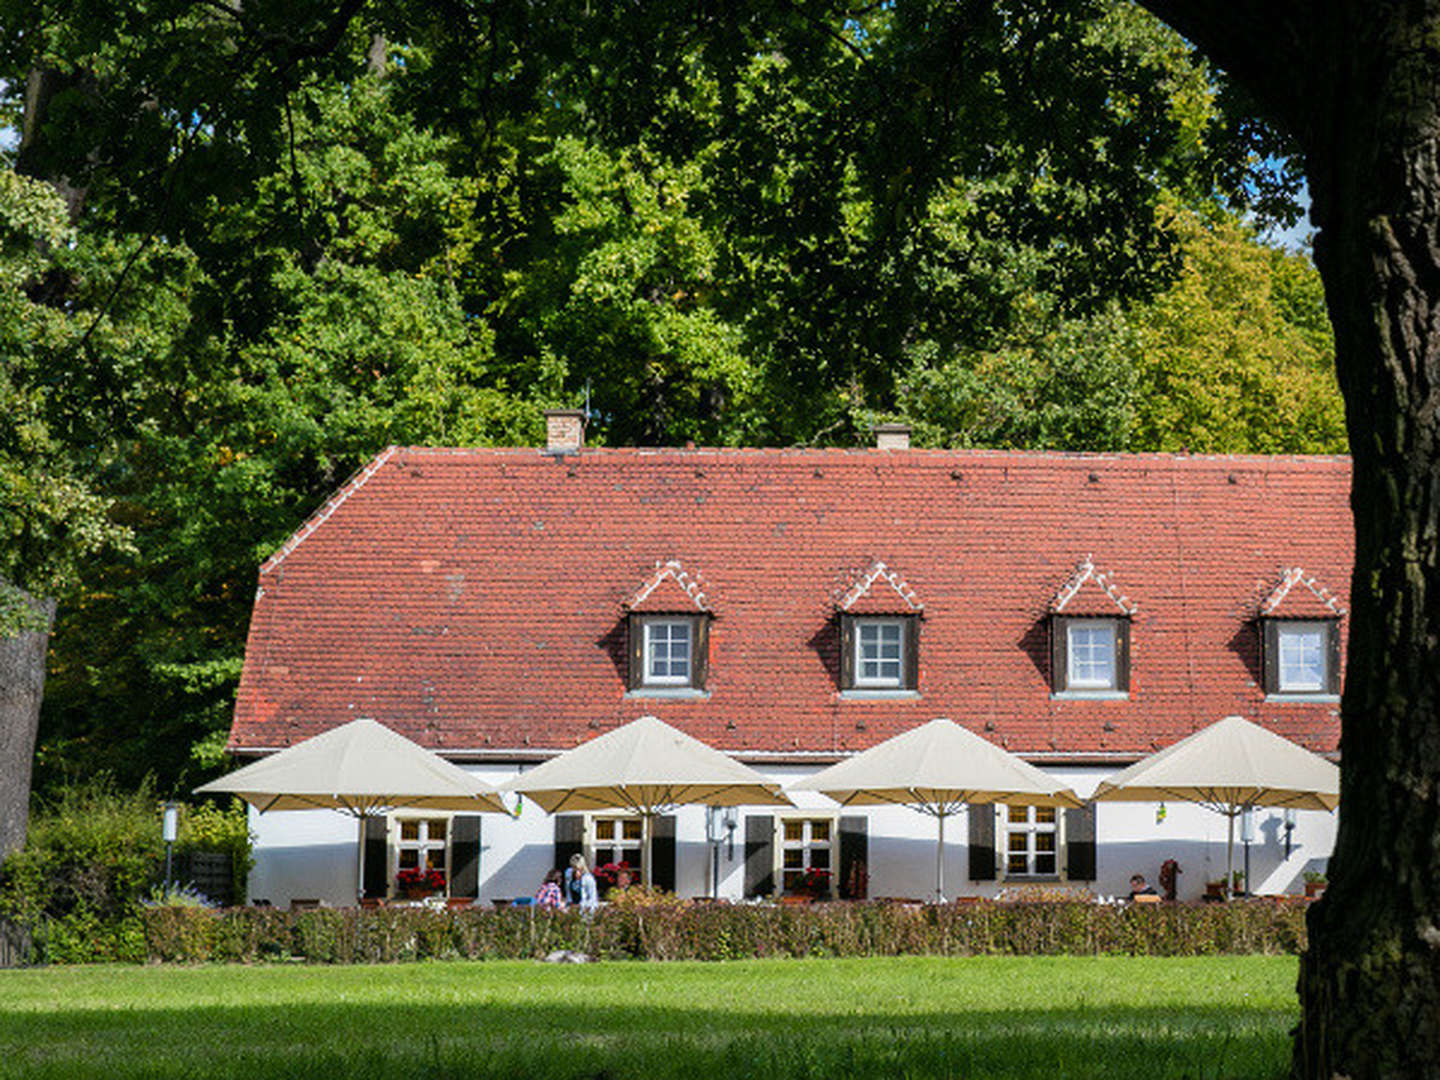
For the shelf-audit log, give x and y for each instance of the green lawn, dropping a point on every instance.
(1052, 1018)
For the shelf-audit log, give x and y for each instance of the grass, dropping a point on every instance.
(1207, 1018)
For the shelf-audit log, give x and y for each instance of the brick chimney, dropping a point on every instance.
(564, 431)
(892, 436)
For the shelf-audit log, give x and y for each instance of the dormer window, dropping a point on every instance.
(1090, 636)
(1300, 638)
(1302, 656)
(879, 652)
(667, 652)
(1090, 656)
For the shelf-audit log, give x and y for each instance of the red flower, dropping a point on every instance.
(418, 878)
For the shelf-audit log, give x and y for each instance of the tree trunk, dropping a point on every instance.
(1370, 984)
(1358, 83)
(22, 683)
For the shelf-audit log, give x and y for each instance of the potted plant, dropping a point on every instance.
(816, 884)
(1315, 882)
(418, 882)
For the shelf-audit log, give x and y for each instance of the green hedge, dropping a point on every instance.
(719, 932)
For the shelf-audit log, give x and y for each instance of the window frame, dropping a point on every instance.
(1061, 684)
(1031, 829)
(621, 844)
(1273, 633)
(806, 846)
(639, 630)
(850, 656)
(398, 845)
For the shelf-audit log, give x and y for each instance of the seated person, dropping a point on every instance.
(1138, 888)
(550, 896)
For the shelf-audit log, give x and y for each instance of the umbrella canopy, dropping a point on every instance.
(647, 767)
(360, 768)
(1228, 767)
(938, 768)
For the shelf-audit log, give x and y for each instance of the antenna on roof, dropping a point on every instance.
(587, 402)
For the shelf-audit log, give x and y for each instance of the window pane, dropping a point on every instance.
(1016, 864)
(1091, 651)
(1045, 841)
(820, 858)
(793, 879)
(1044, 864)
(1045, 813)
(632, 827)
(1018, 814)
(794, 831)
(1017, 842)
(1302, 657)
(794, 857)
(605, 855)
(604, 830)
(437, 829)
(435, 858)
(820, 832)
(409, 830)
(409, 858)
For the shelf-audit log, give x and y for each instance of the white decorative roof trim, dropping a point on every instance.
(1295, 575)
(322, 515)
(879, 571)
(1088, 571)
(690, 584)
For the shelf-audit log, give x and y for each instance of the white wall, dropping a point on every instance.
(312, 854)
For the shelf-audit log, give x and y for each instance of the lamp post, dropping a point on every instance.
(169, 829)
(1247, 835)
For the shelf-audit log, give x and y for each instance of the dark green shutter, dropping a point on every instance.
(1059, 653)
(854, 858)
(635, 645)
(1080, 843)
(759, 854)
(1332, 672)
(662, 853)
(465, 855)
(1122, 654)
(700, 653)
(1270, 654)
(912, 652)
(981, 851)
(847, 652)
(376, 879)
(569, 838)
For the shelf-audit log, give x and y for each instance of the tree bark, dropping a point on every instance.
(22, 684)
(1358, 83)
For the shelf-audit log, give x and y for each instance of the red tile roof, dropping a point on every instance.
(475, 600)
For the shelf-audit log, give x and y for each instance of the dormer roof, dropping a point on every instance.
(670, 588)
(1092, 591)
(878, 590)
(1300, 596)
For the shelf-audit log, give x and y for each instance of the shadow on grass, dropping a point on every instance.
(751, 1040)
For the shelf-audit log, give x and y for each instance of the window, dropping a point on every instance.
(1302, 657)
(1031, 841)
(618, 840)
(806, 846)
(422, 844)
(1090, 657)
(667, 652)
(879, 653)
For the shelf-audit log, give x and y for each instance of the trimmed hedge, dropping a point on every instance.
(721, 932)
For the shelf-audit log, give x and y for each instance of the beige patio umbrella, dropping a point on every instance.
(1228, 767)
(361, 768)
(649, 768)
(936, 769)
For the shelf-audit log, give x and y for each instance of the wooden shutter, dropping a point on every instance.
(700, 650)
(569, 838)
(1122, 655)
(375, 880)
(1059, 653)
(1332, 653)
(981, 851)
(854, 858)
(662, 852)
(759, 854)
(911, 674)
(1080, 843)
(1270, 654)
(635, 647)
(465, 855)
(847, 652)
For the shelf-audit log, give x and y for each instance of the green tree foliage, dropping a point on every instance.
(306, 230)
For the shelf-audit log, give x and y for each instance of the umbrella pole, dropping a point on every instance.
(360, 860)
(940, 862)
(645, 875)
(1230, 855)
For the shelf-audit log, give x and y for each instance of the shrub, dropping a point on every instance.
(680, 930)
(208, 827)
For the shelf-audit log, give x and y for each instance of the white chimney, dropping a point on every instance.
(892, 436)
(564, 431)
